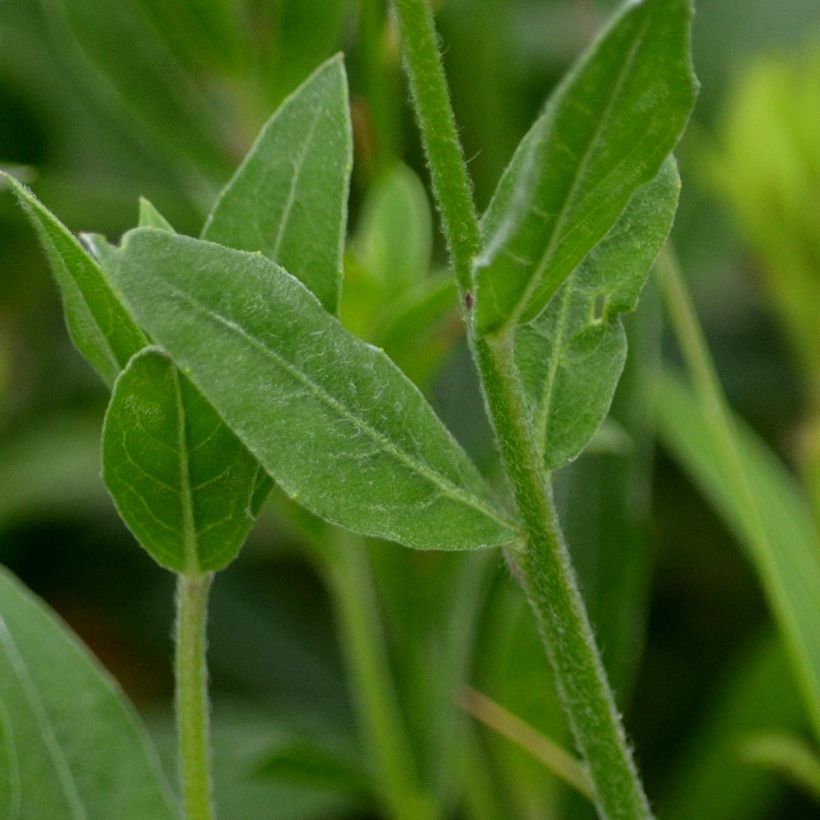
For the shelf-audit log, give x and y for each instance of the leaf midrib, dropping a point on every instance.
(65, 776)
(446, 487)
(535, 280)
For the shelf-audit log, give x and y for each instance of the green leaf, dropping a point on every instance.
(571, 357)
(605, 132)
(394, 236)
(787, 754)
(288, 199)
(787, 560)
(78, 745)
(98, 324)
(330, 417)
(181, 480)
(150, 217)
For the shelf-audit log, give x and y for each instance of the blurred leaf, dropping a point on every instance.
(330, 417)
(576, 169)
(787, 557)
(115, 52)
(305, 763)
(787, 754)
(99, 325)
(78, 745)
(150, 217)
(394, 235)
(181, 480)
(711, 779)
(288, 200)
(10, 797)
(572, 355)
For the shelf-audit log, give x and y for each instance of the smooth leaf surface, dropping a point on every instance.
(186, 487)
(331, 418)
(288, 200)
(572, 356)
(604, 133)
(78, 747)
(150, 217)
(789, 568)
(394, 236)
(99, 326)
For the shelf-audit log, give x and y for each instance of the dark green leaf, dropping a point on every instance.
(99, 325)
(182, 482)
(288, 200)
(604, 133)
(571, 357)
(78, 746)
(331, 418)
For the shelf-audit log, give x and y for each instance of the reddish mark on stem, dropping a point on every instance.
(469, 300)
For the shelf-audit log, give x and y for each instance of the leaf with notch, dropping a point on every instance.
(78, 745)
(571, 357)
(605, 132)
(288, 199)
(99, 325)
(150, 217)
(330, 417)
(181, 480)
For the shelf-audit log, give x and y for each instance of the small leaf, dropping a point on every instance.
(331, 418)
(787, 559)
(395, 233)
(571, 357)
(604, 133)
(78, 746)
(99, 326)
(150, 217)
(181, 480)
(288, 199)
(787, 754)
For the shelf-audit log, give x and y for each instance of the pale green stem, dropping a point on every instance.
(543, 558)
(372, 683)
(192, 705)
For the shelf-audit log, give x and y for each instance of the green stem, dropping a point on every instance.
(547, 571)
(372, 683)
(192, 704)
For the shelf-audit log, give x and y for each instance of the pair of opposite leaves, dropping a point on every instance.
(263, 379)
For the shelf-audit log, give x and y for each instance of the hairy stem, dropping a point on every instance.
(546, 568)
(373, 687)
(192, 706)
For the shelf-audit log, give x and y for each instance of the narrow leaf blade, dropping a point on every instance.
(331, 418)
(78, 746)
(789, 566)
(98, 324)
(288, 200)
(571, 357)
(606, 132)
(181, 480)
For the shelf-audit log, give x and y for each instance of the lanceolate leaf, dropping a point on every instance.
(100, 327)
(183, 483)
(288, 199)
(331, 418)
(77, 747)
(605, 133)
(787, 561)
(572, 355)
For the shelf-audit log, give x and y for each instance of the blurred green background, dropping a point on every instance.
(102, 102)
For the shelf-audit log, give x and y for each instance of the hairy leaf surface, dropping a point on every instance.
(571, 357)
(331, 418)
(288, 199)
(789, 566)
(78, 749)
(99, 325)
(183, 483)
(604, 133)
